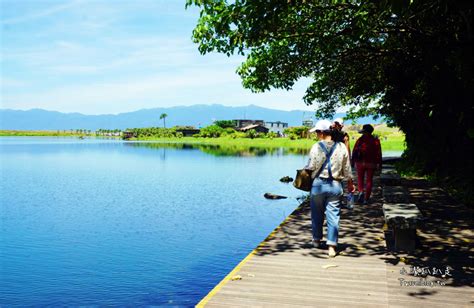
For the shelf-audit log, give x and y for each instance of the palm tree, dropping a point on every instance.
(163, 116)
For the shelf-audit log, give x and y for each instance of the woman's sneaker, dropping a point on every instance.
(331, 252)
(360, 198)
(316, 243)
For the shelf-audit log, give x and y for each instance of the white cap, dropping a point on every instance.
(321, 125)
(339, 120)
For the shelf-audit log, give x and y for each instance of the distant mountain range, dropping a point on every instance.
(196, 115)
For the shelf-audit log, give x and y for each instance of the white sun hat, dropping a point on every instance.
(339, 120)
(321, 125)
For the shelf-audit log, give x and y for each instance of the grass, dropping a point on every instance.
(395, 144)
(391, 139)
(240, 142)
(39, 133)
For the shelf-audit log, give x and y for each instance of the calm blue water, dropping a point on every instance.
(88, 222)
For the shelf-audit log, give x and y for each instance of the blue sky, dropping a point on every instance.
(98, 56)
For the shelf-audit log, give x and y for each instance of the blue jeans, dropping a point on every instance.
(326, 199)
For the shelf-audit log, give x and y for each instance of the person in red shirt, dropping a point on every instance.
(367, 158)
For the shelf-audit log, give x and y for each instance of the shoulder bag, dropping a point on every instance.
(303, 180)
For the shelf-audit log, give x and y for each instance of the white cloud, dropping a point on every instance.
(11, 83)
(208, 86)
(75, 69)
(98, 57)
(41, 13)
(116, 96)
(146, 54)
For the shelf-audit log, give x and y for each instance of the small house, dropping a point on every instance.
(257, 127)
(188, 131)
(277, 127)
(127, 135)
(308, 123)
(243, 123)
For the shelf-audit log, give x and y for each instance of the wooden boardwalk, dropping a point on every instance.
(286, 271)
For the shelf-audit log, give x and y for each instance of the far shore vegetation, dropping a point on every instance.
(391, 138)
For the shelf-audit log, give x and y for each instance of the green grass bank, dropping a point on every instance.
(391, 139)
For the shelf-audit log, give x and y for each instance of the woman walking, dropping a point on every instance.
(367, 157)
(330, 163)
(339, 135)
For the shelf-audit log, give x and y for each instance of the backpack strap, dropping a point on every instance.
(328, 159)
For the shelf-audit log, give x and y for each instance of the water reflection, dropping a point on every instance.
(222, 150)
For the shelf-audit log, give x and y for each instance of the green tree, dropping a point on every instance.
(163, 117)
(408, 61)
(225, 123)
(297, 132)
(211, 131)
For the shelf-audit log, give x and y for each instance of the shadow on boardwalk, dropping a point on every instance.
(286, 271)
(443, 240)
(446, 236)
(354, 224)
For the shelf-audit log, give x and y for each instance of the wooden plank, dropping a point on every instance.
(316, 299)
(395, 194)
(281, 288)
(284, 271)
(237, 301)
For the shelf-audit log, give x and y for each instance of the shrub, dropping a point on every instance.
(154, 132)
(212, 131)
(237, 135)
(271, 135)
(251, 133)
(297, 132)
(228, 131)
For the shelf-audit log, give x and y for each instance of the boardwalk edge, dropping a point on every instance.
(229, 276)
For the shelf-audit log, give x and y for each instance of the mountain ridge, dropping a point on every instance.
(198, 115)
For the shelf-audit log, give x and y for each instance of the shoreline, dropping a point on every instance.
(387, 145)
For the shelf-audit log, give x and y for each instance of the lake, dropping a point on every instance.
(103, 222)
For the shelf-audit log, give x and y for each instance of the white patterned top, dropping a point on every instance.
(340, 162)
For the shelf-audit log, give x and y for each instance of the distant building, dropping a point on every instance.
(276, 127)
(308, 123)
(188, 131)
(257, 127)
(243, 123)
(128, 134)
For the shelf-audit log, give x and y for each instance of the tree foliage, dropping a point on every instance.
(163, 117)
(297, 132)
(225, 123)
(409, 61)
(158, 132)
(211, 131)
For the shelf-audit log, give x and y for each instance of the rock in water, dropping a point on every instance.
(274, 197)
(286, 179)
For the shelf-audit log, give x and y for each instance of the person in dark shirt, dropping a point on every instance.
(339, 135)
(367, 158)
